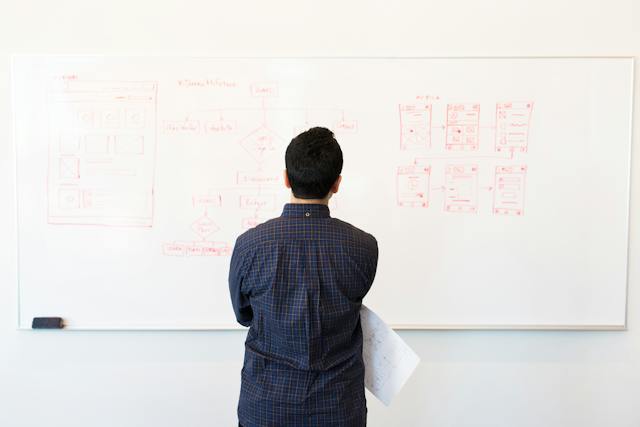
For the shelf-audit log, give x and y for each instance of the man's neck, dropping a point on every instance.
(324, 201)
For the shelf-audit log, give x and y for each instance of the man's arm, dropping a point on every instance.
(240, 301)
(373, 262)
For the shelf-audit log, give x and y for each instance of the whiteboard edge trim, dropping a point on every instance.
(14, 143)
(204, 55)
(407, 327)
(632, 97)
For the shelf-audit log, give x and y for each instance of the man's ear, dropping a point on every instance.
(286, 179)
(336, 185)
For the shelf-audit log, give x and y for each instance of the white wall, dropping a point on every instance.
(582, 379)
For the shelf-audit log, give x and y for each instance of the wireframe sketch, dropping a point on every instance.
(461, 188)
(412, 186)
(101, 157)
(463, 127)
(415, 126)
(512, 126)
(509, 192)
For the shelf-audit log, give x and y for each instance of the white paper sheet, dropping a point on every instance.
(388, 360)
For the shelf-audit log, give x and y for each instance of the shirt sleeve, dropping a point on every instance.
(373, 262)
(240, 301)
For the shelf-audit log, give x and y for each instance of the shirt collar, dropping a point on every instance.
(306, 210)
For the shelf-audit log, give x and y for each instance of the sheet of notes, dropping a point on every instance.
(388, 360)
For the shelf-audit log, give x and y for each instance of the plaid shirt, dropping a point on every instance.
(298, 281)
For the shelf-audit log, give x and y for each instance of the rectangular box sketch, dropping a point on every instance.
(463, 127)
(96, 144)
(345, 126)
(508, 194)
(69, 199)
(69, 144)
(129, 144)
(258, 178)
(102, 144)
(69, 168)
(135, 118)
(461, 188)
(196, 248)
(211, 200)
(512, 126)
(415, 126)
(412, 186)
(258, 202)
(220, 126)
(181, 127)
(264, 89)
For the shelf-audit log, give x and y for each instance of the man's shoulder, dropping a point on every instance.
(355, 233)
(257, 234)
(276, 229)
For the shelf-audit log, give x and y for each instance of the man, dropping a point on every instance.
(298, 281)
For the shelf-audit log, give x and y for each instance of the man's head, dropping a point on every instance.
(314, 162)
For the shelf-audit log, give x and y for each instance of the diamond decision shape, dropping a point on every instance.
(260, 142)
(204, 226)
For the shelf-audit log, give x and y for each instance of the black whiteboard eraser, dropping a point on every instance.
(47, 323)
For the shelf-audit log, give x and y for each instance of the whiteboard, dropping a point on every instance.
(498, 188)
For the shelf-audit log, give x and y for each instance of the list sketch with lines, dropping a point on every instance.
(497, 188)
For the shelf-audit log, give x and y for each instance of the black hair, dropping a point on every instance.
(314, 162)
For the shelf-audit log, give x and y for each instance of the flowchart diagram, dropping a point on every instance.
(253, 194)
